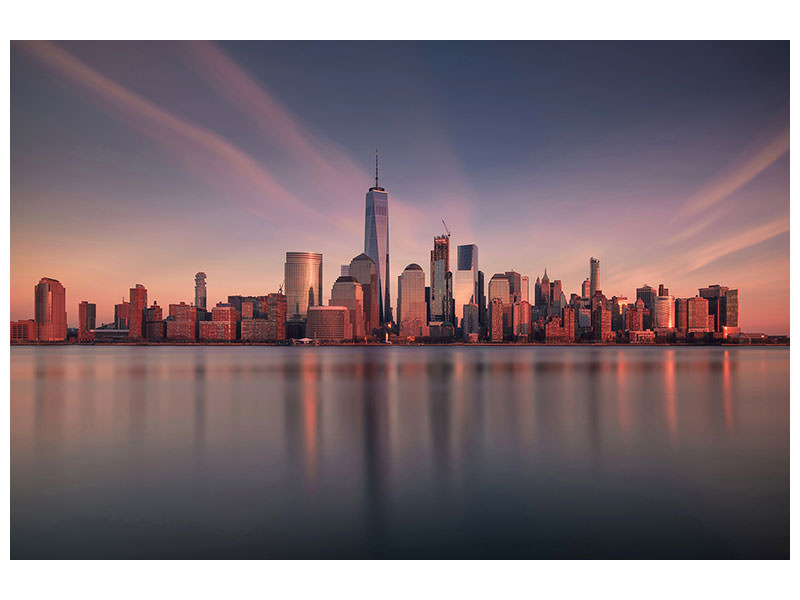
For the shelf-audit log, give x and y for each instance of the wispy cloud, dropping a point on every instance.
(735, 177)
(728, 245)
(183, 137)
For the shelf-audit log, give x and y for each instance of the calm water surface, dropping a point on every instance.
(425, 452)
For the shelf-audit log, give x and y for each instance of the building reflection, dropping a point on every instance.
(200, 382)
(49, 411)
(623, 416)
(376, 448)
(669, 395)
(301, 419)
(726, 390)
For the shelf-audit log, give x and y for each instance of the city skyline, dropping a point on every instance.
(700, 198)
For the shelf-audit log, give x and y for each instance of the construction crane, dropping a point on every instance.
(446, 229)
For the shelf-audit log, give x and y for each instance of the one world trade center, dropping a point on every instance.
(376, 241)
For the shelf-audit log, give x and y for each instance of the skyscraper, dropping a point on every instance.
(524, 292)
(594, 275)
(376, 241)
(50, 310)
(303, 277)
(697, 315)
(200, 290)
(515, 285)
(682, 314)
(586, 289)
(664, 315)
(482, 317)
(723, 306)
(500, 287)
(137, 312)
(648, 296)
(86, 321)
(349, 293)
(154, 322)
(465, 280)
(440, 265)
(495, 320)
(365, 272)
(411, 302)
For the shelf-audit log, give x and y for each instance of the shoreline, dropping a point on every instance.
(395, 345)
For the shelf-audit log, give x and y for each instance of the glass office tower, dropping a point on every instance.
(594, 275)
(303, 278)
(440, 265)
(376, 241)
(465, 280)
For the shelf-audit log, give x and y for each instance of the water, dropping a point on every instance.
(424, 452)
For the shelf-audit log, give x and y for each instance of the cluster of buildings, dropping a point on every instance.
(454, 301)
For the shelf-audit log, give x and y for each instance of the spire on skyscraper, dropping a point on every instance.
(376, 168)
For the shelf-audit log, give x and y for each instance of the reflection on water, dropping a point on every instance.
(399, 452)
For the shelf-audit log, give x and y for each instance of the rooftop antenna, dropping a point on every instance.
(376, 167)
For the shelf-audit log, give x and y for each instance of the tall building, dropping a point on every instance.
(634, 317)
(121, 311)
(664, 314)
(303, 278)
(619, 304)
(182, 322)
(411, 312)
(544, 291)
(568, 322)
(732, 309)
(723, 307)
(472, 326)
(500, 289)
(521, 319)
(482, 302)
(662, 291)
(154, 322)
(200, 290)
(594, 275)
(465, 280)
(697, 315)
(376, 241)
(682, 314)
(524, 293)
(601, 324)
(496, 320)
(276, 316)
(87, 314)
(586, 289)
(329, 323)
(440, 265)
(349, 293)
(224, 324)
(364, 270)
(50, 310)
(648, 296)
(136, 312)
(515, 285)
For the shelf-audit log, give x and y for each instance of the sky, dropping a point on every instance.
(146, 162)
